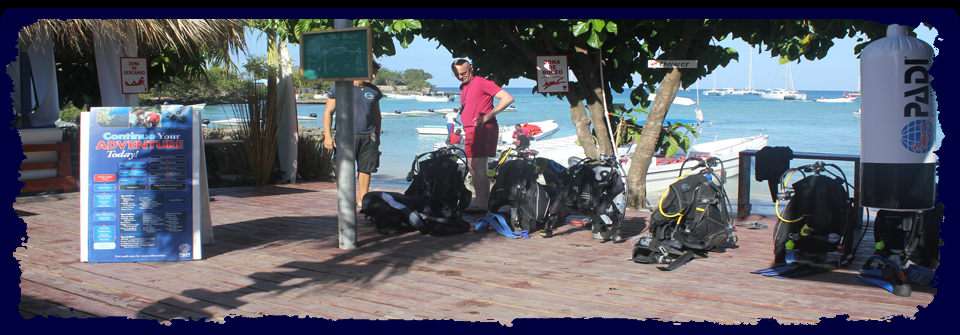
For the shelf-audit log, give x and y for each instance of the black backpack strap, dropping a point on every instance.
(680, 261)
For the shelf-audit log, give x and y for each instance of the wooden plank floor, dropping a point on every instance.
(275, 253)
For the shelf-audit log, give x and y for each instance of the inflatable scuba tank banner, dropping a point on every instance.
(898, 123)
(139, 184)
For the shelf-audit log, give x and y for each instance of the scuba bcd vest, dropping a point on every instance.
(691, 219)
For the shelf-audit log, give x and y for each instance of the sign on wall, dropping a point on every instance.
(139, 184)
(133, 75)
(680, 64)
(336, 55)
(552, 74)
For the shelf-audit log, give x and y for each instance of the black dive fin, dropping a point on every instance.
(902, 290)
(775, 268)
(809, 269)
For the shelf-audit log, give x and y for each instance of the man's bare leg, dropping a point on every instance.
(363, 180)
(481, 183)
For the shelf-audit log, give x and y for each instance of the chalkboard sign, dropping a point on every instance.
(336, 55)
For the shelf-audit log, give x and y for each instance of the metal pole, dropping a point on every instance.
(346, 158)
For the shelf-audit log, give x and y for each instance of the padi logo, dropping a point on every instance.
(685, 188)
(917, 136)
(185, 250)
(368, 95)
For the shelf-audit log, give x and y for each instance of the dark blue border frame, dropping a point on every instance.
(934, 319)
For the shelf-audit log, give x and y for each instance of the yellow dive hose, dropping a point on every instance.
(776, 207)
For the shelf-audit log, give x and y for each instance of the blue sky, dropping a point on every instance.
(839, 71)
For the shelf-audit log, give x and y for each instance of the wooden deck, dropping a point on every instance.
(275, 253)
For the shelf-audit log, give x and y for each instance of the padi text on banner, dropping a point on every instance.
(681, 64)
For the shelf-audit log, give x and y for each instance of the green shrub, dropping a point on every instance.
(70, 112)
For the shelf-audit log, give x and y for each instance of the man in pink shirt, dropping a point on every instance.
(481, 132)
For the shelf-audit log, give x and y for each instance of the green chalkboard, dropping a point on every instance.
(339, 54)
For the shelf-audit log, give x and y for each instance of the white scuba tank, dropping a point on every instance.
(898, 123)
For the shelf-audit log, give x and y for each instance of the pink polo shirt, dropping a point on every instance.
(476, 97)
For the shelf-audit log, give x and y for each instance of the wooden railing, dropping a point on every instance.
(64, 179)
(745, 176)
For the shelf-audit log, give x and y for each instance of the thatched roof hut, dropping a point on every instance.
(213, 39)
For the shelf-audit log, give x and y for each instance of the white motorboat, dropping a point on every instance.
(398, 96)
(547, 128)
(391, 115)
(434, 97)
(835, 100)
(666, 170)
(229, 122)
(419, 113)
(782, 94)
(677, 100)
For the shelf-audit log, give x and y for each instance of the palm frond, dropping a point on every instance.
(212, 39)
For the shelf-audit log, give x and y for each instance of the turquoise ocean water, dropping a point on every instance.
(804, 126)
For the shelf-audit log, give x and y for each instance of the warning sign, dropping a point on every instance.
(133, 75)
(552, 74)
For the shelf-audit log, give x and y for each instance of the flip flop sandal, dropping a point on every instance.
(753, 225)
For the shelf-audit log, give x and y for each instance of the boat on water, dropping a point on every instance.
(788, 93)
(749, 90)
(677, 100)
(547, 128)
(398, 96)
(845, 99)
(395, 114)
(667, 169)
(714, 91)
(782, 94)
(434, 97)
(418, 113)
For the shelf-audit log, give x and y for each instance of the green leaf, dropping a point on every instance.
(671, 148)
(412, 24)
(580, 28)
(594, 40)
(597, 24)
(612, 27)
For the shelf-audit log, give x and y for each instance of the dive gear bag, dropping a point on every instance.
(691, 219)
(516, 186)
(596, 189)
(819, 217)
(906, 250)
(442, 176)
(402, 213)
